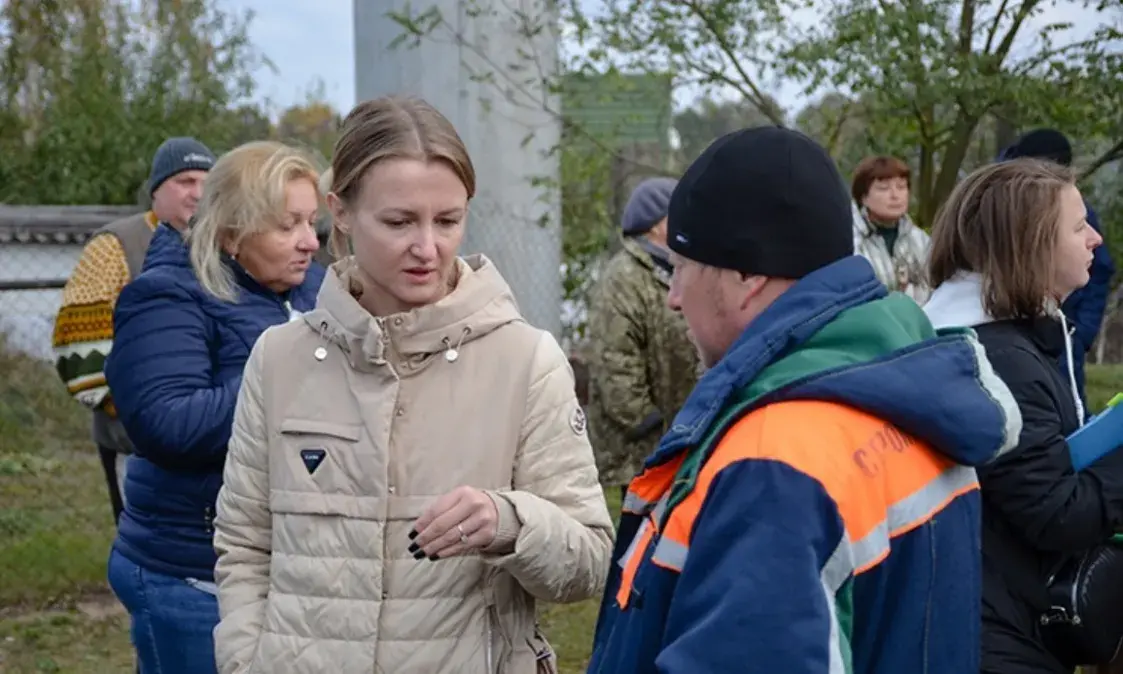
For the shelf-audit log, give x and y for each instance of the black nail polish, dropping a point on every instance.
(412, 534)
(433, 558)
(420, 554)
(413, 548)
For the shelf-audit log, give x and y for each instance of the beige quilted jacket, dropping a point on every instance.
(347, 428)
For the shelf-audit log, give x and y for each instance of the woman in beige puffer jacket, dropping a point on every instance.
(409, 469)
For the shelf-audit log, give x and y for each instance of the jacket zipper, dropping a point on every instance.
(489, 649)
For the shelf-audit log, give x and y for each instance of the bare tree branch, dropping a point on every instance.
(1027, 66)
(754, 94)
(1115, 153)
(840, 122)
(1022, 14)
(993, 30)
(966, 26)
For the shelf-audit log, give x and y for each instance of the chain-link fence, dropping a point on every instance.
(56, 521)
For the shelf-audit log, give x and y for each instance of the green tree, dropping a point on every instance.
(707, 119)
(89, 88)
(932, 74)
(722, 47)
(934, 81)
(313, 124)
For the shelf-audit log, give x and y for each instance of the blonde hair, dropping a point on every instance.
(1001, 222)
(243, 195)
(392, 127)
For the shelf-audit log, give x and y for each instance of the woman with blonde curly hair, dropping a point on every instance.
(184, 330)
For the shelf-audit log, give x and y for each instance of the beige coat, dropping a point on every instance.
(313, 570)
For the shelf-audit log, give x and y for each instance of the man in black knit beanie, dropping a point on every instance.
(813, 506)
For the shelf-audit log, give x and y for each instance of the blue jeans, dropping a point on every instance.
(172, 620)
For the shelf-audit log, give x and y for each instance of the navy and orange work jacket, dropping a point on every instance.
(814, 507)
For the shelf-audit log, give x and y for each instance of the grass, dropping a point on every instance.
(1102, 382)
(55, 526)
(56, 522)
(66, 641)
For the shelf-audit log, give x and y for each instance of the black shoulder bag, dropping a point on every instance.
(1080, 605)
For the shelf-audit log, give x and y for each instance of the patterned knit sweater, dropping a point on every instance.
(83, 333)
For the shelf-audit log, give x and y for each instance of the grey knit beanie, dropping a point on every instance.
(647, 205)
(176, 155)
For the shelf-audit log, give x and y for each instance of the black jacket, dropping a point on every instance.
(1036, 510)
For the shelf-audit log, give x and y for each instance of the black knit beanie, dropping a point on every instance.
(766, 201)
(1042, 144)
(176, 155)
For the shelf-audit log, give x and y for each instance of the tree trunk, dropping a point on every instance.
(1005, 133)
(927, 181)
(953, 155)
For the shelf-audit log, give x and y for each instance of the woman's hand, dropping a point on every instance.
(461, 521)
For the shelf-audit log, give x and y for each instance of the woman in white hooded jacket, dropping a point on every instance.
(409, 470)
(1009, 245)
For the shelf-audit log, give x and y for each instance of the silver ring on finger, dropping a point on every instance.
(463, 536)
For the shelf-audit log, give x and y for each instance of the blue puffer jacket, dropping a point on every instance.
(174, 371)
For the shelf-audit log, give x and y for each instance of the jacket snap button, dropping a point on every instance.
(400, 411)
(397, 321)
(391, 489)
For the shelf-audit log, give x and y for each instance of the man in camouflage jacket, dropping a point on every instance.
(642, 364)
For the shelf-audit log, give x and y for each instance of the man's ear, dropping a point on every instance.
(749, 286)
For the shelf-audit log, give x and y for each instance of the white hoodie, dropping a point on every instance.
(958, 302)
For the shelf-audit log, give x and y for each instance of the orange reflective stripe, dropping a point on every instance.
(631, 560)
(881, 467)
(649, 486)
(884, 482)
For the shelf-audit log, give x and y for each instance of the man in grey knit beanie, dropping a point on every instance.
(179, 166)
(642, 364)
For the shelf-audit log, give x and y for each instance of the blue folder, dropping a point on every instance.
(1102, 434)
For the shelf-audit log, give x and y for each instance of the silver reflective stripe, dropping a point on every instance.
(623, 561)
(661, 508)
(634, 504)
(911, 511)
(997, 389)
(835, 572)
(933, 496)
(670, 554)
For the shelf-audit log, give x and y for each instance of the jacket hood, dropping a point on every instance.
(958, 302)
(838, 336)
(481, 303)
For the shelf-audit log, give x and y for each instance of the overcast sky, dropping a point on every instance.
(314, 41)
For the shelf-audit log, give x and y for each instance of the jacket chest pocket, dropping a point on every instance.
(320, 457)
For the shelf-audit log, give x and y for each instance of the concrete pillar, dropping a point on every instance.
(480, 70)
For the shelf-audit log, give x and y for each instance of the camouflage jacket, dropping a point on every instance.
(642, 365)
